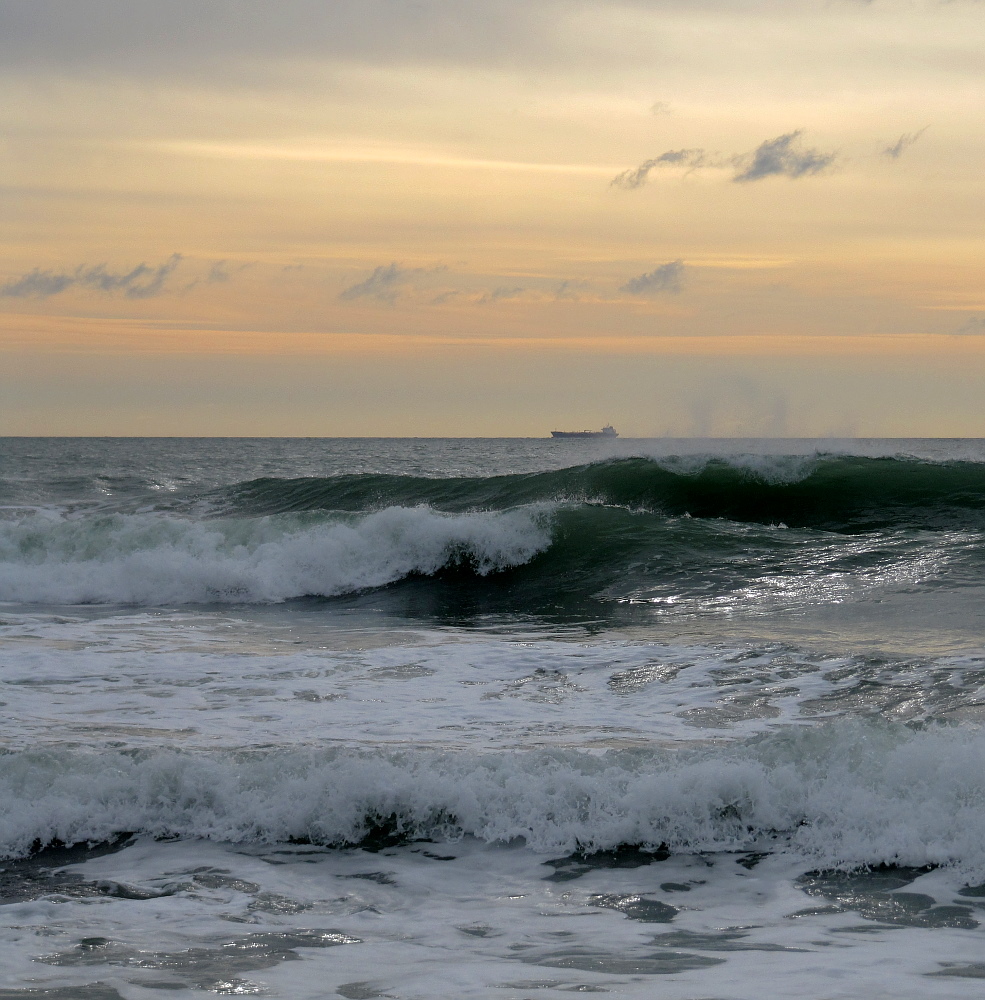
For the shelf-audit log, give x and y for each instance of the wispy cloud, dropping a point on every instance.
(385, 283)
(142, 282)
(636, 177)
(217, 274)
(782, 157)
(666, 278)
(501, 293)
(442, 297)
(37, 284)
(570, 288)
(903, 143)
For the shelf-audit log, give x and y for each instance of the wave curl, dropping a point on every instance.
(159, 559)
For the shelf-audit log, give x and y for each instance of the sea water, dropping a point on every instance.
(491, 718)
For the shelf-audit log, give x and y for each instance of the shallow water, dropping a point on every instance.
(473, 920)
(491, 719)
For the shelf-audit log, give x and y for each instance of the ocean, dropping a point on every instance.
(517, 719)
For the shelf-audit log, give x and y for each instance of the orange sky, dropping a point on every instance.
(367, 218)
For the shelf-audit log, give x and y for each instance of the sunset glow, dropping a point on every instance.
(605, 202)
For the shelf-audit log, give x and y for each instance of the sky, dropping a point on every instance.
(492, 217)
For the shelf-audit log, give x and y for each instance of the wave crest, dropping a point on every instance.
(841, 794)
(839, 493)
(155, 559)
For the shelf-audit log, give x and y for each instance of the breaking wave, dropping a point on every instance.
(845, 793)
(626, 529)
(155, 559)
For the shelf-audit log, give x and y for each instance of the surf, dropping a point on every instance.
(840, 794)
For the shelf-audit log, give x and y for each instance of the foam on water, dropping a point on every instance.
(218, 681)
(844, 793)
(306, 923)
(157, 559)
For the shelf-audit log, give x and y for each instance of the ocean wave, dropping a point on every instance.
(847, 793)
(550, 558)
(160, 559)
(837, 493)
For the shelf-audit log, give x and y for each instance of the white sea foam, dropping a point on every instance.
(841, 794)
(154, 559)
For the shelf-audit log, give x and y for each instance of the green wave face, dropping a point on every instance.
(833, 494)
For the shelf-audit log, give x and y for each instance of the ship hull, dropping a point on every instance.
(582, 434)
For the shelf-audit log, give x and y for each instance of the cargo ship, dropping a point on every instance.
(607, 432)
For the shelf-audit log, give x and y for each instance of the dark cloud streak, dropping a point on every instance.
(903, 143)
(383, 284)
(503, 292)
(668, 278)
(570, 288)
(142, 282)
(386, 283)
(37, 284)
(446, 296)
(783, 157)
(779, 157)
(217, 275)
(629, 180)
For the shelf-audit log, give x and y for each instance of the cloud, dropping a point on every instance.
(37, 284)
(631, 179)
(217, 273)
(666, 278)
(781, 157)
(569, 288)
(383, 284)
(903, 143)
(142, 282)
(447, 296)
(660, 108)
(386, 282)
(501, 293)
